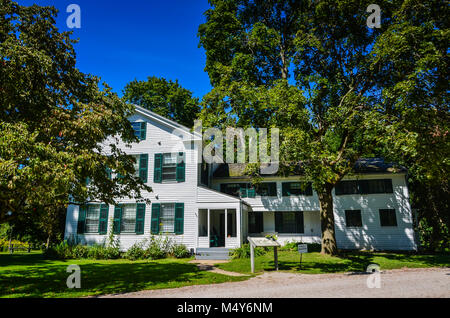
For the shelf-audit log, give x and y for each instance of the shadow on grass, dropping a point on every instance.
(357, 262)
(100, 278)
(18, 259)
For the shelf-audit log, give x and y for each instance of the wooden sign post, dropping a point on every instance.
(302, 248)
(264, 242)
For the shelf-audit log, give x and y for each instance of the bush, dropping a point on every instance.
(136, 251)
(158, 247)
(80, 251)
(180, 251)
(244, 251)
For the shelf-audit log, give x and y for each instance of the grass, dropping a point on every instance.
(316, 263)
(30, 275)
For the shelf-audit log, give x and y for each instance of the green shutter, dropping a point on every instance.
(251, 192)
(140, 217)
(156, 211)
(81, 219)
(117, 219)
(143, 167)
(181, 167)
(286, 189)
(279, 222)
(157, 172)
(143, 131)
(179, 218)
(103, 219)
(243, 192)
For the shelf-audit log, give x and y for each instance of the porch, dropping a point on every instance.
(219, 220)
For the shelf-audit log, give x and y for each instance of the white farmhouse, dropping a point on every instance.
(214, 208)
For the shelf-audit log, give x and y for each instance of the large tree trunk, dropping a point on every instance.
(327, 221)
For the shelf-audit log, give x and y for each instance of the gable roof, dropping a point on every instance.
(363, 165)
(165, 121)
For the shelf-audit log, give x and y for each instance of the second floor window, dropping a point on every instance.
(364, 186)
(169, 167)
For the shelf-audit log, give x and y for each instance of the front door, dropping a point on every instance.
(217, 229)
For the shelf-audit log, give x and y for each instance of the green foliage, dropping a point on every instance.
(244, 251)
(165, 98)
(157, 247)
(336, 89)
(136, 252)
(55, 121)
(65, 250)
(293, 246)
(179, 251)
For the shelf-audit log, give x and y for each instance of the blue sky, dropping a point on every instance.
(125, 40)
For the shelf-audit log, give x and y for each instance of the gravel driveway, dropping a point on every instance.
(431, 282)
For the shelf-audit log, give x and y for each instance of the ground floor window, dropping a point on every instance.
(128, 222)
(289, 222)
(167, 217)
(388, 217)
(255, 222)
(202, 222)
(92, 218)
(353, 218)
(231, 223)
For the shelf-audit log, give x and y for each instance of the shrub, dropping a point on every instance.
(80, 251)
(102, 252)
(155, 252)
(180, 251)
(136, 251)
(244, 251)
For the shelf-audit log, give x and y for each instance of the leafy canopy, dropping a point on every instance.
(56, 122)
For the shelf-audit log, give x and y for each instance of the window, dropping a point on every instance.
(296, 188)
(128, 221)
(347, 187)
(136, 164)
(388, 217)
(266, 189)
(353, 218)
(232, 188)
(255, 222)
(92, 218)
(246, 190)
(140, 130)
(202, 222)
(169, 166)
(167, 218)
(376, 186)
(364, 186)
(289, 222)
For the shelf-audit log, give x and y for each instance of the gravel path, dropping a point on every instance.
(404, 283)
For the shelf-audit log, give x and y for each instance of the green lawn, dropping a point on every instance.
(30, 275)
(315, 263)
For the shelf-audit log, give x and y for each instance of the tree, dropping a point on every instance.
(165, 98)
(316, 71)
(58, 129)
